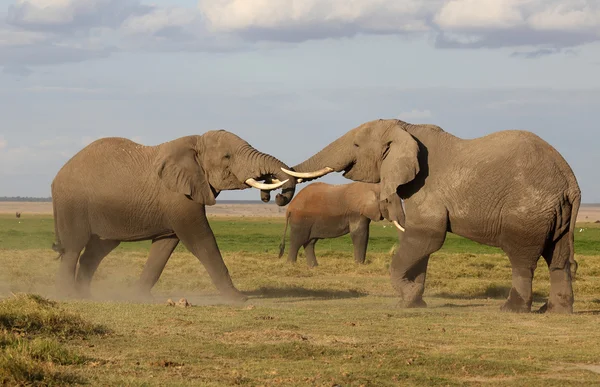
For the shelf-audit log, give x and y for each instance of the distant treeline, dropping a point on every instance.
(23, 199)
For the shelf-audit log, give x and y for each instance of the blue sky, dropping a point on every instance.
(291, 76)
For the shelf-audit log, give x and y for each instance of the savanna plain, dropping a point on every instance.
(336, 324)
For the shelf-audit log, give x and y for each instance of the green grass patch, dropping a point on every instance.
(254, 235)
(31, 353)
(33, 314)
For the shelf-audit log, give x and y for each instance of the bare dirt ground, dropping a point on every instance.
(587, 213)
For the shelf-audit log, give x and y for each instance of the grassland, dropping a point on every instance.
(335, 324)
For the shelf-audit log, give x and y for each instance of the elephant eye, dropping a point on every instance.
(227, 156)
(356, 145)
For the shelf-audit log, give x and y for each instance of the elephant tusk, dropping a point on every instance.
(398, 226)
(253, 183)
(299, 180)
(308, 175)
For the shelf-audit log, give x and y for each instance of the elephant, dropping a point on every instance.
(115, 190)
(508, 189)
(324, 210)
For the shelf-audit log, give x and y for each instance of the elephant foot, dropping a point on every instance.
(234, 295)
(515, 307)
(563, 306)
(411, 293)
(413, 304)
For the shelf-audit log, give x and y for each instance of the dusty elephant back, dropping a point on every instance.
(95, 184)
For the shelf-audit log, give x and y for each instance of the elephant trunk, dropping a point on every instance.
(334, 156)
(268, 167)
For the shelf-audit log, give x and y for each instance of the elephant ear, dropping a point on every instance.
(179, 169)
(400, 164)
(370, 207)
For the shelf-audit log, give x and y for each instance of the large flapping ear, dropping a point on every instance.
(400, 164)
(178, 167)
(369, 206)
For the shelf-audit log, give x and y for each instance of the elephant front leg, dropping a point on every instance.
(409, 264)
(160, 252)
(359, 233)
(199, 239)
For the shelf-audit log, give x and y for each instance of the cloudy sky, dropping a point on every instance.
(289, 76)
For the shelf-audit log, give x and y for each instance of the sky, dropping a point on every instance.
(290, 76)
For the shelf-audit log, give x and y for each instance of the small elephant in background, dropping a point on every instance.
(322, 211)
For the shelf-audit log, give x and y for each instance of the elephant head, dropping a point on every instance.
(375, 208)
(379, 151)
(202, 166)
(393, 210)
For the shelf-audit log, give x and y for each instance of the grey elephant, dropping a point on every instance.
(323, 211)
(508, 189)
(115, 190)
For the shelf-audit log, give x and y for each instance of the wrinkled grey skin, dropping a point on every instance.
(115, 190)
(322, 211)
(509, 189)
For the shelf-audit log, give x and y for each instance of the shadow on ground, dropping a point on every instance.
(497, 292)
(298, 292)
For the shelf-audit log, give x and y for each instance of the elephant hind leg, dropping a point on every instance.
(309, 250)
(298, 239)
(95, 251)
(160, 252)
(561, 297)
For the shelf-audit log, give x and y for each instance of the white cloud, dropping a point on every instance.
(414, 114)
(41, 32)
(310, 19)
(465, 14)
(159, 19)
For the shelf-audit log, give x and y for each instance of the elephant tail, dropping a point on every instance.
(57, 246)
(282, 244)
(575, 204)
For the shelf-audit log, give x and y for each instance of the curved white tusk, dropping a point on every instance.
(253, 183)
(398, 226)
(308, 175)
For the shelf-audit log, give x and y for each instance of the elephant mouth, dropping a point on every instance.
(215, 191)
(348, 169)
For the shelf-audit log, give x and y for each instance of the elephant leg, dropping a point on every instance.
(409, 263)
(520, 295)
(194, 231)
(65, 280)
(160, 252)
(94, 253)
(297, 240)
(359, 233)
(561, 289)
(309, 250)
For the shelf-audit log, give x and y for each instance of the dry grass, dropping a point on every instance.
(335, 324)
